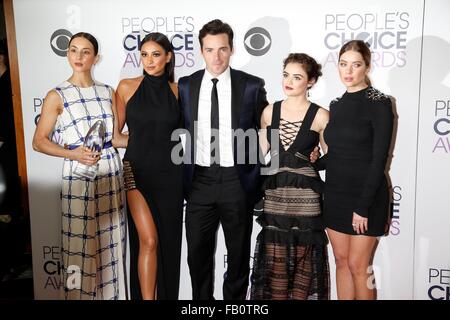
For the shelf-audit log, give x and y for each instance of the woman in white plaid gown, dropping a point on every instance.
(93, 221)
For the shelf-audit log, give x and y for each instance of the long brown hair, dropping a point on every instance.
(363, 49)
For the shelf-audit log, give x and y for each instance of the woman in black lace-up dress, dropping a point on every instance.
(290, 260)
(356, 199)
(148, 105)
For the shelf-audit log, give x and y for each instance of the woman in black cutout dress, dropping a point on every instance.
(291, 260)
(356, 198)
(153, 182)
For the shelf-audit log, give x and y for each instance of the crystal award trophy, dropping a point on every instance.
(93, 141)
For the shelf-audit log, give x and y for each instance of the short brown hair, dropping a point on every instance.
(215, 27)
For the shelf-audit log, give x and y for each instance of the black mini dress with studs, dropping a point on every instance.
(358, 136)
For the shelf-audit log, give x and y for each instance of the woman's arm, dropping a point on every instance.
(51, 108)
(119, 139)
(321, 121)
(261, 102)
(382, 124)
(323, 116)
(266, 119)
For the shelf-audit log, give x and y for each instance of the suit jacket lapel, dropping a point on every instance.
(194, 94)
(237, 93)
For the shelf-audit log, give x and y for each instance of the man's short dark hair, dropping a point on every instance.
(215, 27)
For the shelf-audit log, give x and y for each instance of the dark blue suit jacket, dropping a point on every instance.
(248, 99)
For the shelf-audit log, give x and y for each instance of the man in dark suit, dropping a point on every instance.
(223, 174)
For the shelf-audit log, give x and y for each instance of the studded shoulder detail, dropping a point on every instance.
(335, 100)
(375, 95)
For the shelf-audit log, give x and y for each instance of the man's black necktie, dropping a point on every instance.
(215, 122)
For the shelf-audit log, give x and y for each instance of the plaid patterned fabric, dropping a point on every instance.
(93, 219)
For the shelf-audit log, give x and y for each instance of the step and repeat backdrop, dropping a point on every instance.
(410, 42)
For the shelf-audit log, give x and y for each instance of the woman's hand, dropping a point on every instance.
(315, 154)
(85, 156)
(359, 223)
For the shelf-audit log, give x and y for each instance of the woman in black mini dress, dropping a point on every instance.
(356, 199)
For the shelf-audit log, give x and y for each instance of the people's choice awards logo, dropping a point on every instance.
(385, 32)
(439, 284)
(179, 30)
(59, 41)
(257, 41)
(441, 126)
(52, 267)
(395, 217)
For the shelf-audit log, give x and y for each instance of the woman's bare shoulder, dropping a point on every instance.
(267, 114)
(129, 84)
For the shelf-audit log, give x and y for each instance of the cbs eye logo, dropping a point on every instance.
(257, 41)
(59, 42)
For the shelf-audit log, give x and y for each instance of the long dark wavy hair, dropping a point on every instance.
(164, 42)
